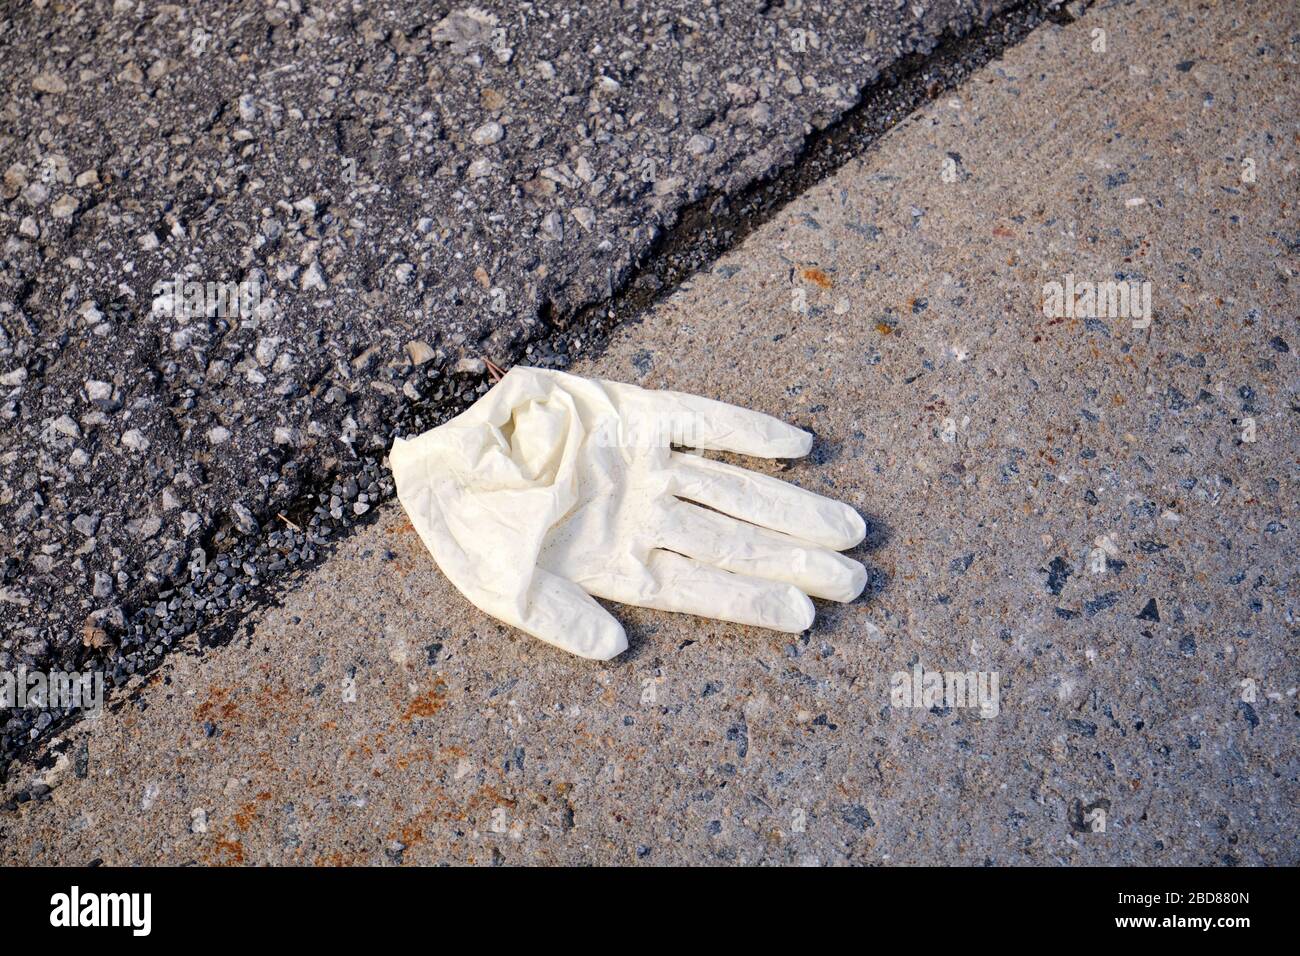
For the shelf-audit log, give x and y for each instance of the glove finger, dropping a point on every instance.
(696, 422)
(748, 549)
(687, 586)
(562, 614)
(766, 501)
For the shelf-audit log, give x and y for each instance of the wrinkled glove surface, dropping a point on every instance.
(552, 488)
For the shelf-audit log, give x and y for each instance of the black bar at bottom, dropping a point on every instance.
(946, 906)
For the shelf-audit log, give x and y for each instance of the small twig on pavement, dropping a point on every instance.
(494, 370)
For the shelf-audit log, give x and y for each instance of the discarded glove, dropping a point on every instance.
(552, 488)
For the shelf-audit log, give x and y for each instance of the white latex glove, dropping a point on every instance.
(552, 488)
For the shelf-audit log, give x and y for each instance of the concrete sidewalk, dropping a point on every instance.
(1099, 511)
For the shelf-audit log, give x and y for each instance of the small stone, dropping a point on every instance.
(65, 426)
(553, 225)
(471, 366)
(49, 83)
(35, 194)
(64, 207)
(135, 440)
(144, 528)
(15, 177)
(699, 145)
(419, 351)
(244, 519)
(103, 586)
(313, 278)
(87, 525)
(488, 134)
(98, 391)
(266, 350)
(464, 29)
(218, 435)
(585, 217)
